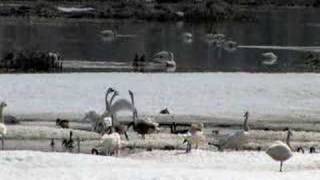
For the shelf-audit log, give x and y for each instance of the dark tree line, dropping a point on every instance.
(31, 61)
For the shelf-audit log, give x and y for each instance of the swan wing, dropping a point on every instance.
(122, 105)
(279, 151)
(162, 57)
(3, 129)
(234, 140)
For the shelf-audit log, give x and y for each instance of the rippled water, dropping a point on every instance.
(82, 40)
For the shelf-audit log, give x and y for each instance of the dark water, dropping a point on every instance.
(81, 40)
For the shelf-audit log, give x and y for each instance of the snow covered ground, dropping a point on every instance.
(221, 95)
(155, 165)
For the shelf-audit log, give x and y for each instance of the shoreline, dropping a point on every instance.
(163, 11)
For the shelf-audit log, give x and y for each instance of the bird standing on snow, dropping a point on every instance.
(142, 126)
(3, 128)
(237, 139)
(280, 151)
(195, 138)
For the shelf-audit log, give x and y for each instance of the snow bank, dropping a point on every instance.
(155, 165)
(222, 95)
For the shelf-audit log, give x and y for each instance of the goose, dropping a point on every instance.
(300, 149)
(312, 150)
(3, 128)
(68, 144)
(164, 111)
(141, 126)
(174, 130)
(237, 139)
(269, 58)
(280, 151)
(9, 119)
(52, 144)
(62, 123)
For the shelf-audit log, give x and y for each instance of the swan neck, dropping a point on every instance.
(132, 99)
(111, 101)
(288, 140)
(107, 102)
(1, 114)
(245, 124)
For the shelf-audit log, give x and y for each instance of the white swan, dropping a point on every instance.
(195, 137)
(269, 58)
(280, 151)
(164, 58)
(110, 144)
(108, 35)
(237, 139)
(230, 46)
(3, 128)
(187, 37)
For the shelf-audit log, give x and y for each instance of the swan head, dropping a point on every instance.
(290, 132)
(130, 92)
(110, 90)
(3, 104)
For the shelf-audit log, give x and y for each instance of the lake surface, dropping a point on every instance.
(82, 40)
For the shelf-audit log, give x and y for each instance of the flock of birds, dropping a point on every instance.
(164, 60)
(111, 129)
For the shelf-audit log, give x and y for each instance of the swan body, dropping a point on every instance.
(3, 129)
(108, 32)
(110, 143)
(230, 46)
(108, 35)
(280, 151)
(237, 139)
(195, 137)
(187, 37)
(165, 58)
(179, 14)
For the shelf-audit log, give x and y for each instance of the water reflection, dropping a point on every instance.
(84, 40)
